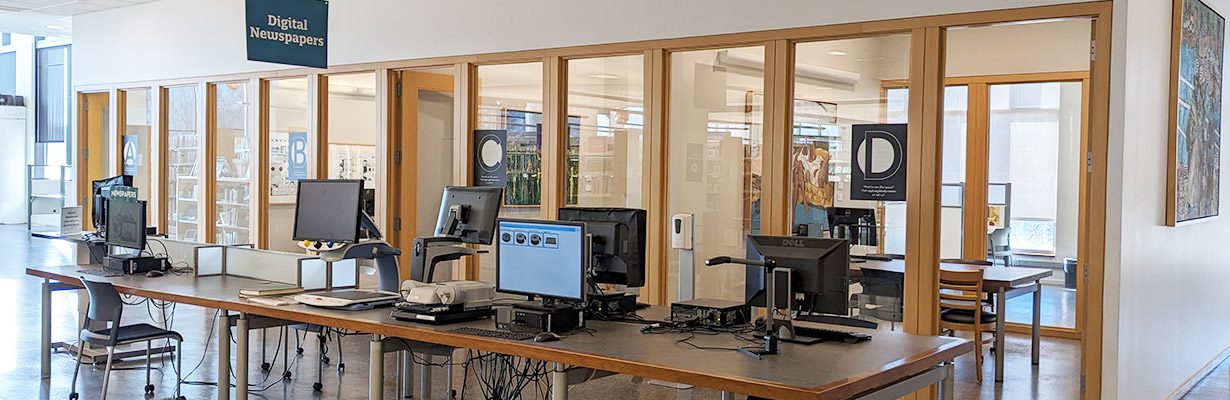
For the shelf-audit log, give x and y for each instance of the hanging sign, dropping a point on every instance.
(296, 159)
(288, 32)
(878, 162)
(131, 161)
(490, 156)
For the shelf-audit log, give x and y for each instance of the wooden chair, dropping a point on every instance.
(961, 302)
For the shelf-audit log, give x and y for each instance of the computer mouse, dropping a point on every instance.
(546, 337)
(153, 274)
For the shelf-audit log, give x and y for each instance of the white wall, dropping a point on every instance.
(187, 38)
(1166, 297)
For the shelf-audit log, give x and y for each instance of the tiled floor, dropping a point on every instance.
(1056, 378)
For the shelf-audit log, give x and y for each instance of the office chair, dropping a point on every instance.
(961, 303)
(105, 309)
(998, 246)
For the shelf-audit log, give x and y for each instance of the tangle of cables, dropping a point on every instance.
(504, 377)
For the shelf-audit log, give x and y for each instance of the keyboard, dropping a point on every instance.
(103, 272)
(831, 335)
(492, 333)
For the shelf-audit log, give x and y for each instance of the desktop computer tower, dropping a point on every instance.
(538, 320)
(134, 264)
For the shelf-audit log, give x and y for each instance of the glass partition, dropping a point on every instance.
(716, 138)
(353, 135)
(233, 165)
(292, 155)
(183, 181)
(432, 91)
(135, 144)
(606, 141)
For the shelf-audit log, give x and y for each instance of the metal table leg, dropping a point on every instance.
(559, 382)
(1000, 309)
(424, 385)
(1037, 328)
(375, 369)
(224, 355)
(946, 385)
(44, 351)
(241, 357)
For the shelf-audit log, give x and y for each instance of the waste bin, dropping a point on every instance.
(1069, 273)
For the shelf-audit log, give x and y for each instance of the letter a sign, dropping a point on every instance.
(878, 162)
(288, 32)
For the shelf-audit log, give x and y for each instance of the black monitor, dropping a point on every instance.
(819, 272)
(618, 242)
(98, 199)
(126, 224)
(329, 210)
(546, 259)
(469, 213)
(858, 225)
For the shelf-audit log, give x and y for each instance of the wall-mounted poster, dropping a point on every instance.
(132, 157)
(878, 161)
(353, 161)
(490, 158)
(1197, 47)
(281, 189)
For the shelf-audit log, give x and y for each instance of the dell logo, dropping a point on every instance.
(793, 243)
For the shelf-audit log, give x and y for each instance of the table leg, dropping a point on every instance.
(224, 355)
(375, 369)
(946, 385)
(241, 358)
(727, 395)
(559, 382)
(44, 351)
(424, 385)
(1000, 309)
(1037, 328)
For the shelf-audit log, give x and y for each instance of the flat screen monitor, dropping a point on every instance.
(126, 224)
(819, 272)
(858, 225)
(98, 199)
(469, 213)
(327, 210)
(618, 243)
(541, 258)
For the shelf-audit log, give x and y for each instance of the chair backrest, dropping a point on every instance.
(962, 290)
(998, 240)
(983, 263)
(883, 283)
(105, 305)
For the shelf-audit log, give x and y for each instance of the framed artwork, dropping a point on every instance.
(1194, 151)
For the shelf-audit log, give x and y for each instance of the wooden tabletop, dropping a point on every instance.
(821, 371)
(993, 277)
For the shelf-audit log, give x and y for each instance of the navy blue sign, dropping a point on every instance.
(490, 156)
(879, 162)
(288, 32)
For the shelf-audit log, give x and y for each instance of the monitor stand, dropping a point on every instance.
(429, 251)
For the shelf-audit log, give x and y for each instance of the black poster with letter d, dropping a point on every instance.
(288, 32)
(878, 162)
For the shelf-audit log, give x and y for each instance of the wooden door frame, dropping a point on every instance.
(81, 159)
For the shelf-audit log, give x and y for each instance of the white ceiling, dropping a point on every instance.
(41, 17)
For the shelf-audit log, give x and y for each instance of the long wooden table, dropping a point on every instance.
(889, 366)
(1002, 283)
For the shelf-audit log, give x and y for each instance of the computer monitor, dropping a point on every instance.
(858, 225)
(99, 197)
(328, 210)
(126, 224)
(618, 244)
(469, 213)
(819, 271)
(542, 258)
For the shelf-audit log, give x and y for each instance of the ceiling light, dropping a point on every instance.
(606, 76)
(56, 27)
(837, 53)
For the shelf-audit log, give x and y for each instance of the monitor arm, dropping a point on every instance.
(455, 222)
(384, 254)
(429, 251)
(770, 326)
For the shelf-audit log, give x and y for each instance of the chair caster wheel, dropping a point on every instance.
(341, 367)
(286, 375)
(298, 350)
(181, 398)
(266, 367)
(72, 396)
(149, 389)
(324, 360)
(317, 386)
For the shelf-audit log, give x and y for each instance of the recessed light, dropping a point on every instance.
(606, 76)
(837, 53)
(56, 27)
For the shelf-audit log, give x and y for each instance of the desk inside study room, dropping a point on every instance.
(1001, 282)
(889, 366)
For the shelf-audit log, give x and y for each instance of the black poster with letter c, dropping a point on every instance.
(878, 162)
(490, 156)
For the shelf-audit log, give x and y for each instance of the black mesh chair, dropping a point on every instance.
(104, 310)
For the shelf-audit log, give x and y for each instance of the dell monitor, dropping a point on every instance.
(468, 213)
(99, 196)
(858, 225)
(126, 224)
(618, 244)
(542, 259)
(819, 271)
(328, 210)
